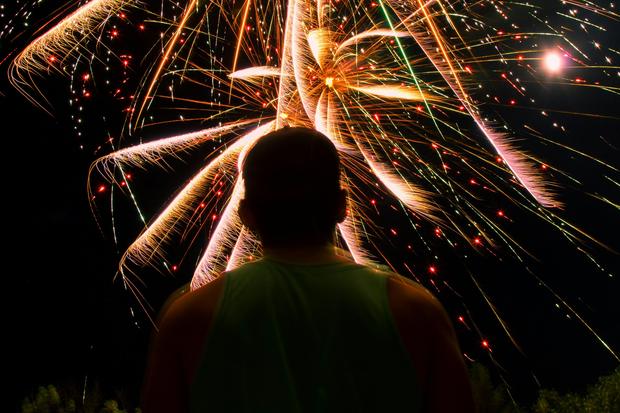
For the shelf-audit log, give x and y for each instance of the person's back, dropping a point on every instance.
(297, 338)
(304, 329)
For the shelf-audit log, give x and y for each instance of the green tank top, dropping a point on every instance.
(304, 338)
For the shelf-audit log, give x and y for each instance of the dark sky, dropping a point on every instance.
(69, 321)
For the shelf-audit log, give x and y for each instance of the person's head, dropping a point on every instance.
(292, 188)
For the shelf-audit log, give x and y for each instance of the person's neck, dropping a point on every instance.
(312, 254)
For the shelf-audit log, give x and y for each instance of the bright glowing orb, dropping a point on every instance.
(553, 62)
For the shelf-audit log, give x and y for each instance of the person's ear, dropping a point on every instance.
(247, 215)
(341, 211)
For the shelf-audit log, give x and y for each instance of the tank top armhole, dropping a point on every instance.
(394, 327)
(221, 301)
(217, 311)
(387, 309)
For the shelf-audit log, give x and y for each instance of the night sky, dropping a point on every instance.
(71, 320)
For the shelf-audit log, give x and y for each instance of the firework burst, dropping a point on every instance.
(406, 90)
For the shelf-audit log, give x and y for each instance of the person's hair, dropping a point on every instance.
(292, 187)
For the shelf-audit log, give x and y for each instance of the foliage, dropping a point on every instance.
(603, 397)
(69, 400)
(490, 398)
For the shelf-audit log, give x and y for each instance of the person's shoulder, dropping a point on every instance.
(193, 307)
(412, 301)
(408, 287)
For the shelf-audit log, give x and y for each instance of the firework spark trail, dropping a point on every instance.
(155, 152)
(414, 198)
(286, 89)
(351, 234)
(151, 153)
(227, 234)
(326, 121)
(255, 72)
(246, 248)
(60, 42)
(163, 61)
(246, 10)
(514, 159)
(214, 259)
(369, 34)
(322, 46)
(149, 244)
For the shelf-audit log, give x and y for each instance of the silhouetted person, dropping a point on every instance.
(304, 329)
